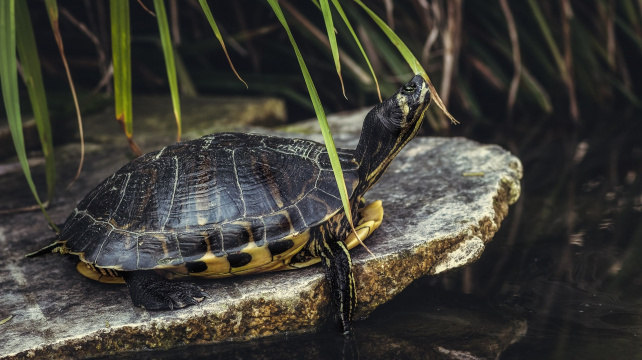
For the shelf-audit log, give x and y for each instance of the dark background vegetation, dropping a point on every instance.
(576, 233)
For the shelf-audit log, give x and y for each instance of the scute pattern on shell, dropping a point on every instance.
(214, 195)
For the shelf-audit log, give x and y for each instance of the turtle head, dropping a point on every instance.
(389, 127)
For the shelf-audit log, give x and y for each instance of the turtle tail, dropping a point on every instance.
(47, 249)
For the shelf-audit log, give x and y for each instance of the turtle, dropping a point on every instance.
(231, 204)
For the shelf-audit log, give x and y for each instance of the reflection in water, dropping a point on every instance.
(567, 257)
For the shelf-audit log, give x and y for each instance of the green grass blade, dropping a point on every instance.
(339, 9)
(548, 36)
(168, 52)
(409, 57)
(630, 32)
(121, 52)
(318, 109)
(541, 96)
(187, 84)
(628, 93)
(9, 85)
(52, 11)
(217, 33)
(630, 12)
(531, 85)
(403, 49)
(32, 74)
(332, 38)
(385, 49)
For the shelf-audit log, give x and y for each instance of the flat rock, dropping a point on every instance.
(444, 199)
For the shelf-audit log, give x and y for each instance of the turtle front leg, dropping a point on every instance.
(338, 270)
(153, 292)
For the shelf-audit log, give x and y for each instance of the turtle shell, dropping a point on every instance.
(222, 204)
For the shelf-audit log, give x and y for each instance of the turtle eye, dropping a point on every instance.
(409, 88)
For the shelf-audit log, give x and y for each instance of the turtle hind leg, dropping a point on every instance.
(153, 292)
(338, 270)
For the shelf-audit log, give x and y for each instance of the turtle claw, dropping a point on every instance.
(153, 292)
(184, 294)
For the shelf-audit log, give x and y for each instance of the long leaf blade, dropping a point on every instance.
(168, 53)
(9, 85)
(337, 6)
(318, 109)
(332, 38)
(412, 61)
(52, 11)
(32, 75)
(548, 36)
(187, 86)
(217, 33)
(121, 52)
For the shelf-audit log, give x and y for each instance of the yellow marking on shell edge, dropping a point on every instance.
(215, 265)
(363, 231)
(271, 266)
(370, 219)
(262, 260)
(278, 261)
(91, 273)
(173, 272)
(260, 256)
(299, 241)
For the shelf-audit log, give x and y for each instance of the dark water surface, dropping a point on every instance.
(561, 280)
